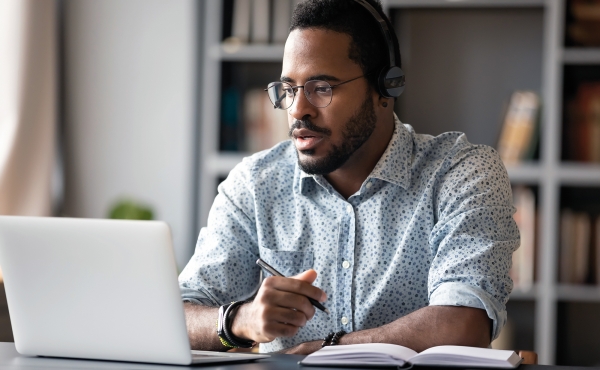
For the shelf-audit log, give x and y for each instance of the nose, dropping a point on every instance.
(301, 107)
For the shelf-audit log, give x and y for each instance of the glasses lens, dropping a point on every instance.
(318, 93)
(281, 94)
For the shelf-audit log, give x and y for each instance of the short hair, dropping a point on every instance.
(368, 47)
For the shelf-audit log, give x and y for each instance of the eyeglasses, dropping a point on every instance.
(317, 92)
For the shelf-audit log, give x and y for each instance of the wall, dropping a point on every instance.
(462, 65)
(129, 95)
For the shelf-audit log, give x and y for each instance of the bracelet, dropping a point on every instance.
(327, 339)
(221, 328)
(336, 337)
(228, 315)
(332, 338)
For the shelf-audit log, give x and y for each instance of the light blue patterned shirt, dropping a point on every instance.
(431, 225)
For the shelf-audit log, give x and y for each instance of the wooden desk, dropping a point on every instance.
(11, 360)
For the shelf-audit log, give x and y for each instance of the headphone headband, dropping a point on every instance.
(391, 78)
(384, 28)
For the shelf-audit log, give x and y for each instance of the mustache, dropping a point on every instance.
(307, 124)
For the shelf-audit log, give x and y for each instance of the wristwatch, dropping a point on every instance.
(226, 315)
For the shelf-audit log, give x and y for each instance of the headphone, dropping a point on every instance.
(391, 79)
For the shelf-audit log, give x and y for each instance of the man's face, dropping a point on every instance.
(325, 138)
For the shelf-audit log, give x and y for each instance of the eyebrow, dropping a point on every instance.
(321, 77)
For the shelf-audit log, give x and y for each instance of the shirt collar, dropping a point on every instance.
(393, 166)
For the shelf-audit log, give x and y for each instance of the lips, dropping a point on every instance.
(306, 139)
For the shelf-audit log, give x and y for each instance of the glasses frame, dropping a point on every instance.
(295, 90)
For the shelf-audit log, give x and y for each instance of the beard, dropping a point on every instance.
(355, 133)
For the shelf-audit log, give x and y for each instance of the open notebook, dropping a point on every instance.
(383, 354)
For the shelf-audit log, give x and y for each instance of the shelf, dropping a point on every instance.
(220, 164)
(463, 3)
(571, 173)
(524, 294)
(578, 293)
(581, 56)
(525, 173)
(247, 53)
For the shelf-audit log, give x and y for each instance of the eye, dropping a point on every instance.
(322, 89)
(288, 91)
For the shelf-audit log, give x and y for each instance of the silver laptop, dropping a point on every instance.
(96, 289)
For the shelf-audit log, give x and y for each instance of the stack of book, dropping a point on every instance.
(260, 21)
(519, 135)
(582, 127)
(579, 248)
(585, 28)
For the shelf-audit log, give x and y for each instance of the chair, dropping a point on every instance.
(529, 357)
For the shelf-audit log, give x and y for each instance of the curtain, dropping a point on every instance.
(28, 108)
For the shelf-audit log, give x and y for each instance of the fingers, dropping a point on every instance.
(309, 276)
(281, 306)
(296, 286)
(290, 301)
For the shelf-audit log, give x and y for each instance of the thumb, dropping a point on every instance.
(309, 276)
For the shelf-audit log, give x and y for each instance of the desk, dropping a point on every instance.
(11, 360)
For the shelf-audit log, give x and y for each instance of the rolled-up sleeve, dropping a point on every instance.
(223, 267)
(475, 236)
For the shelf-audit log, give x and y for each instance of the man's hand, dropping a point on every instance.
(280, 308)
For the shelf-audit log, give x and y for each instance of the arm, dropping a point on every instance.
(424, 328)
(280, 308)
(200, 321)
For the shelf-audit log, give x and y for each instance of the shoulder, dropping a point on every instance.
(268, 166)
(452, 151)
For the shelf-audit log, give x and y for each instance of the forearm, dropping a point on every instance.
(425, 328)
(429, 327)
(201, 327)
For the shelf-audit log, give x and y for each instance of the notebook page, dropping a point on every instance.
(376, 353)
(447, 355)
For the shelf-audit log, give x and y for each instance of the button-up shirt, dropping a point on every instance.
(431, 225)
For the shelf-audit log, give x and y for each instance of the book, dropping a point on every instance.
(240, 27)
(575, 242)
(264, 126)
(384, 354)
(585, 28)
(282, 14)
(260, 22)
(519, 130)
(523, 259)
(596, 251)
(581, 246)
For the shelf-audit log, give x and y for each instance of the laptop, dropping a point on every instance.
(97, 289)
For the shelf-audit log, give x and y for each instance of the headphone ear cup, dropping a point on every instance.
(391, 82)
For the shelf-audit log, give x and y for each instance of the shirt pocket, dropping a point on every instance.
(289, 263)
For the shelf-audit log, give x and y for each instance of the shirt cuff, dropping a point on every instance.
(459, 294)
(197, 297)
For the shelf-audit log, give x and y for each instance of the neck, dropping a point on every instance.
(348, 179)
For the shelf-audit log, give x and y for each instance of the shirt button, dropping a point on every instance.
(369, 185)
(344, 320)
(349, 208)
(345, 264)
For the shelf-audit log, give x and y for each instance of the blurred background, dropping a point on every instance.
(139, 108)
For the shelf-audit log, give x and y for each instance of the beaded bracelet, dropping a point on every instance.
(332, 338)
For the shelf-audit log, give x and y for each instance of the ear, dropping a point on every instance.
(385, 102)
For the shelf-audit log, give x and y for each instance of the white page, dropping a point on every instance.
(462, 354)
(381, 353)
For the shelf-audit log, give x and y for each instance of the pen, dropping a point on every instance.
(270, 269)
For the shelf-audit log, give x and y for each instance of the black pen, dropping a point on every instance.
(270, 269)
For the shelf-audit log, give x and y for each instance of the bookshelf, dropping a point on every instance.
(539, 311)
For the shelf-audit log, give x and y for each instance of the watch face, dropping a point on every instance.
(220, 321)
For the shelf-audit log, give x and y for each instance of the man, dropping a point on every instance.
(406, 238)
